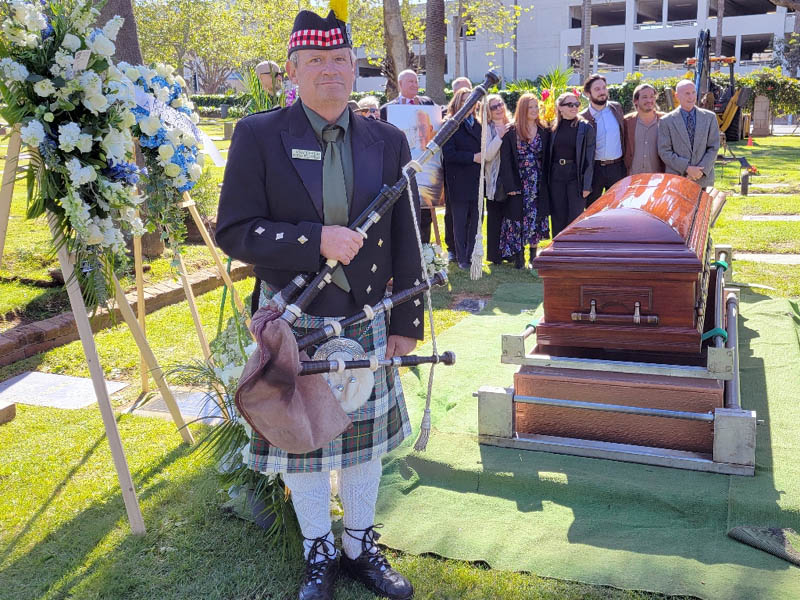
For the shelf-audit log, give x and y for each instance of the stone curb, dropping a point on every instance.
(27, 340)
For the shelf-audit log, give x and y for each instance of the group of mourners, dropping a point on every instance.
(540, 176)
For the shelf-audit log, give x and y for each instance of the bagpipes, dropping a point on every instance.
(280, 393)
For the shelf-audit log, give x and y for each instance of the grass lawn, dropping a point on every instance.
(63, 530)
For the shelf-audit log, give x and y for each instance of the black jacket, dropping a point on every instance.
(462, 173)
(270, 209)
(584, 154)
(509, 179)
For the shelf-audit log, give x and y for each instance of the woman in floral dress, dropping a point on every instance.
(524, 181)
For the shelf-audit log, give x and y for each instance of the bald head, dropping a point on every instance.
(687, 94)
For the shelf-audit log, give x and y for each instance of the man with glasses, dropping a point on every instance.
(369, 107)
(607, 119)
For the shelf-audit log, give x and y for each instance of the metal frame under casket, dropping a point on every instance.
(734, 429)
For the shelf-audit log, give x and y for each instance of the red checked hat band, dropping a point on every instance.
(311, 31)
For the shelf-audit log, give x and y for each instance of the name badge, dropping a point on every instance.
(306, 154)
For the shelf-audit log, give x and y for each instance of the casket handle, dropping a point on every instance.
(594, 317)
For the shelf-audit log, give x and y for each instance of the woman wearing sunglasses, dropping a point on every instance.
(523, 179)
(499, 122)
(569, 162)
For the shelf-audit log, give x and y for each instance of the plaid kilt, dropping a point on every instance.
(377, 427)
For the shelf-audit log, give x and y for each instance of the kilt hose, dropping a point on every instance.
(377, 427)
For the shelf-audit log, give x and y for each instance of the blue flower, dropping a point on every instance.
(48, 150)
(127, 172)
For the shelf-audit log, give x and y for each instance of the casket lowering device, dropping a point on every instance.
(636, 358)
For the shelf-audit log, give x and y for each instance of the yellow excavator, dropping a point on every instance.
(727, 102)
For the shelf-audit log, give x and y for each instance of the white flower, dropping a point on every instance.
(180, 181)
(150, 125)
(111, 29)
(79, 174)
(178, 102)
(175, 136)
(96, 103)
(121, 91)
(28, 14)
(128, 119)
(32, 134)
(44, 88)
(181, 81)
(71, 42)
(83, 16)
(165, 152)
(101, 45)
(94, 233)
(65, 60)
(172, 170)
(84, 143)
(132, 73)
(195, 171)
(13, 71)
(195, 118)
(117, 145)
(90, 83)
(162, 94)
(164, 70)
(68, 136)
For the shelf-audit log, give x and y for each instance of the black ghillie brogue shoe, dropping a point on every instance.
(373, 570)
(322, 569)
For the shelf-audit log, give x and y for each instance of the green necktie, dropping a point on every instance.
(334, 193)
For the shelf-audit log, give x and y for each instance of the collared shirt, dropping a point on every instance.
(685, 114)
(645, 152)
(609, 139)
(336, 301)
(404, 100)
(345, 148)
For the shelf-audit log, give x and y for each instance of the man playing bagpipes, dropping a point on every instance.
(295, 178)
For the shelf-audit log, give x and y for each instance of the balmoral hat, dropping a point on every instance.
(312, 32)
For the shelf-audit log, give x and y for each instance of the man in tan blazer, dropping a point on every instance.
(641, 133)
(688, 138)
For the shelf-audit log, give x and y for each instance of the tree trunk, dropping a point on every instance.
(128, 37)
(396, 42)
(720, 16)
(435, 30)
(457, 24)
(586, 39)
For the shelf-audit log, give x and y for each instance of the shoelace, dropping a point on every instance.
(318, 549)
(369, 545)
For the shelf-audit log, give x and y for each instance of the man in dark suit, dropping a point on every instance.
(606, 117)
(295, 178)
(408, 86)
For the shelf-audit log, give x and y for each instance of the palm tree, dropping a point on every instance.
(127, 43)
(586, 41)
(435, 31)
(720, 16)
(396, 42)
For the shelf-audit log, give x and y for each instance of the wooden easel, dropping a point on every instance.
(87, 340)
(187, 286)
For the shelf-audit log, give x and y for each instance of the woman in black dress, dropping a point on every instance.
(569, 162)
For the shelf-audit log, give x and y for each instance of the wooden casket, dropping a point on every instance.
(632, 272)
